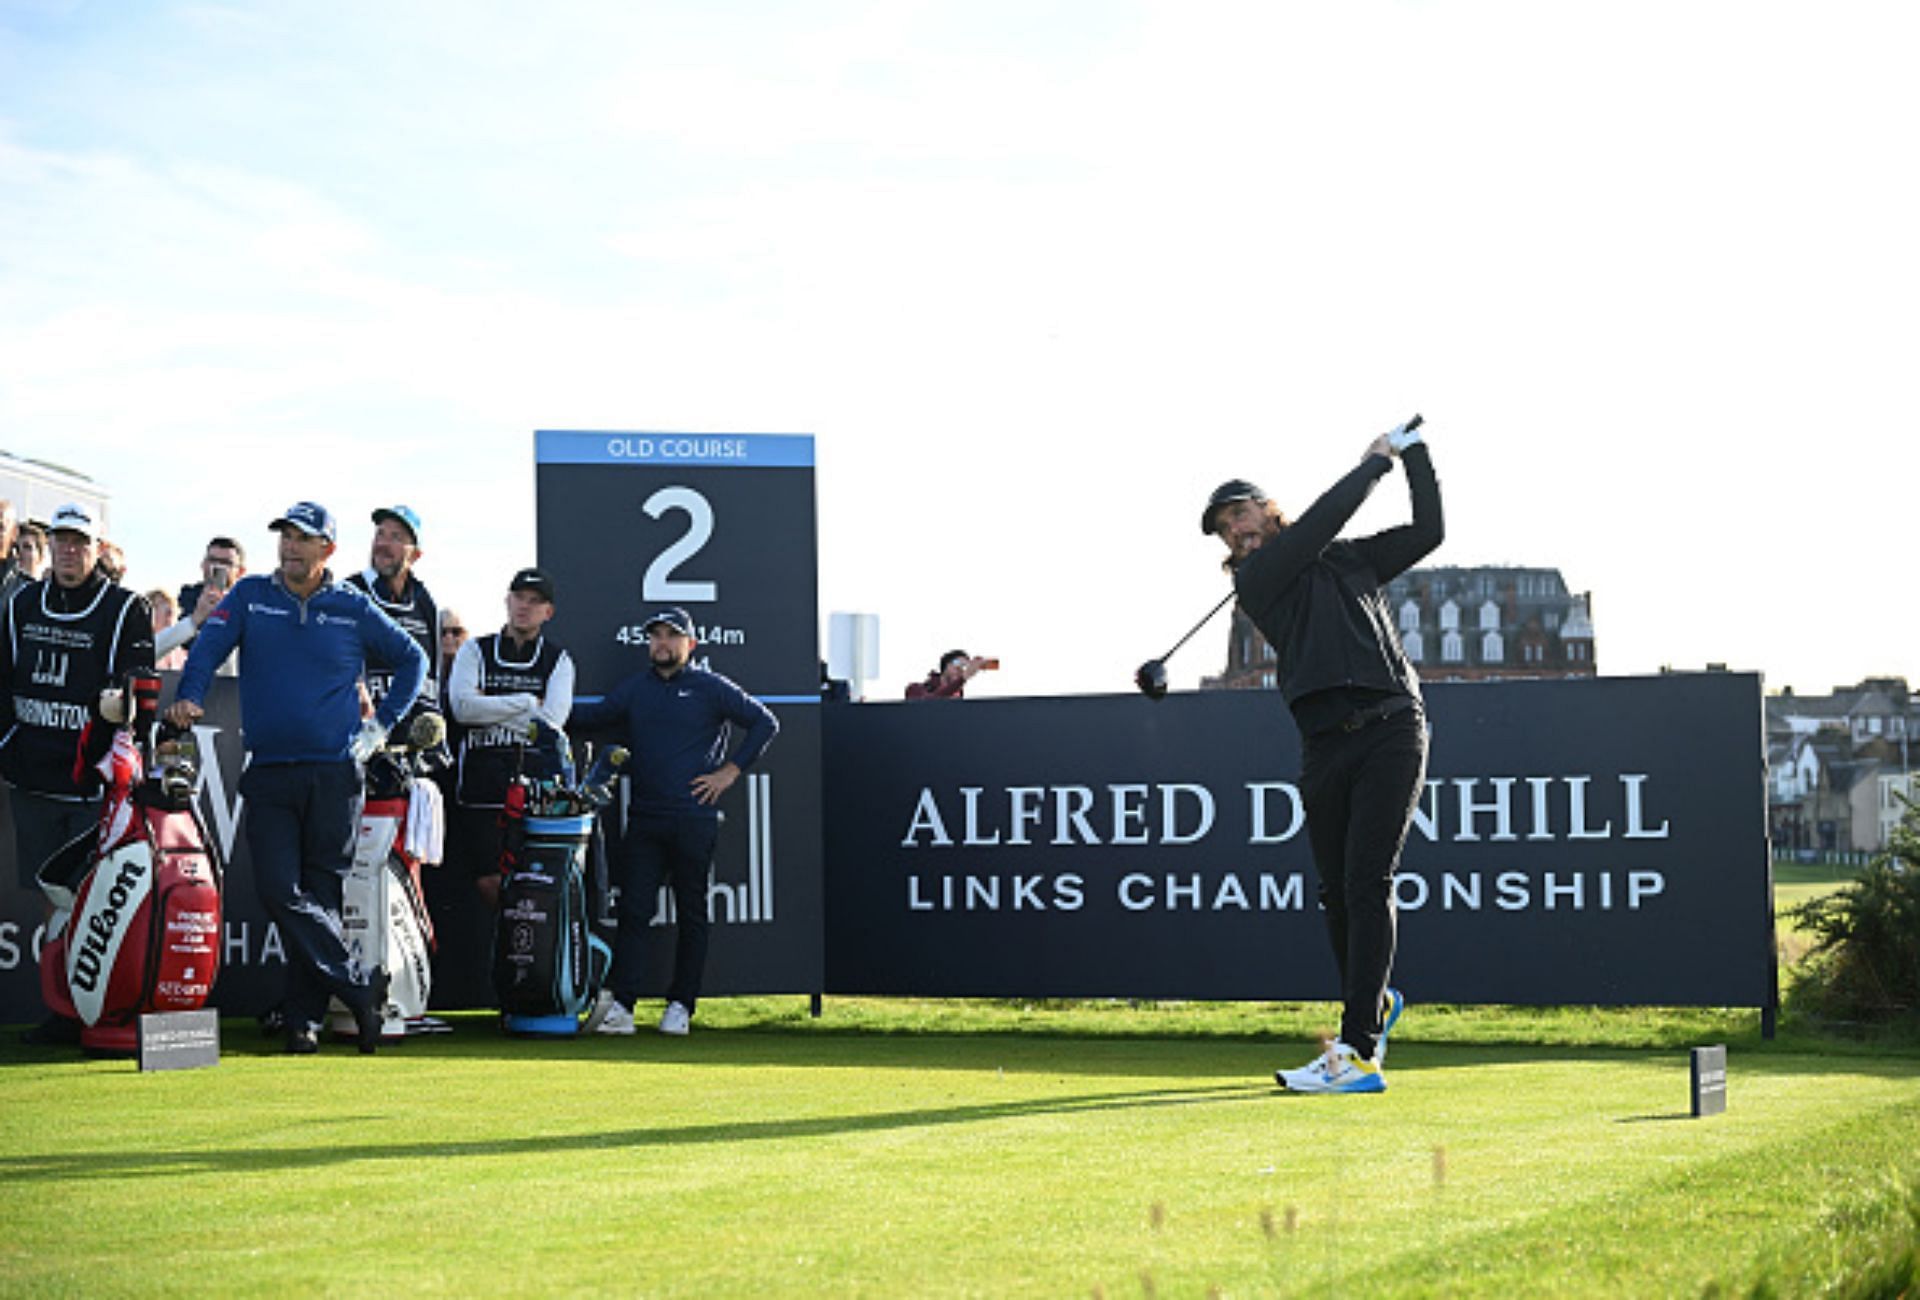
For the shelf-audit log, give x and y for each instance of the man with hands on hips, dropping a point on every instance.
(304, 641)
(678, 719)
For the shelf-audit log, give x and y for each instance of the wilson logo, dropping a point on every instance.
(99, 936)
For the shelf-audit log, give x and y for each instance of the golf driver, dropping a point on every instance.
(1151, 676)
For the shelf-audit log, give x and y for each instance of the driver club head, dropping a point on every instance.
(1152, 679)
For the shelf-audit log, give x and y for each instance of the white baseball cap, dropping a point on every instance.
(74, 518)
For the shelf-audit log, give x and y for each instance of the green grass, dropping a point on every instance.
(902, 1147)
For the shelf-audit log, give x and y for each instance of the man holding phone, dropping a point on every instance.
(949, 680)
(223, 564)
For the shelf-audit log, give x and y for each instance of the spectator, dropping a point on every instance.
(305, 640)
(112, 561)
(9, 567)
(949, 680)
(222, 564)
(66, 638)
(31, 552)
(453, 635)
(169, 654)
(676, 719)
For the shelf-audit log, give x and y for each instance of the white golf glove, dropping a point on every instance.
(1401, 437)
(367, 741)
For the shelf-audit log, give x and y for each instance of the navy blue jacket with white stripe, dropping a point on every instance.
(677, 728)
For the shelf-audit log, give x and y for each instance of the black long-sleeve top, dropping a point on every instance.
(1318, 600)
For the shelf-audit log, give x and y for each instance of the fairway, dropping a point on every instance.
(769, 1155)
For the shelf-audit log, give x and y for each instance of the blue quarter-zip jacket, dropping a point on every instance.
(300, 665)
(677, 729)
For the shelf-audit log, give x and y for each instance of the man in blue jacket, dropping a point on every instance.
(677, 719)
(304, 642)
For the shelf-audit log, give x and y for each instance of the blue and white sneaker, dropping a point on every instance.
(1338, 1069)
(1288, 1078)
(1395, 1005)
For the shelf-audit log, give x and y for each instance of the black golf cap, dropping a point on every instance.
(535, 581)
(1234, 489)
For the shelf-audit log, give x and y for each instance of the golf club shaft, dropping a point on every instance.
(1197, 626)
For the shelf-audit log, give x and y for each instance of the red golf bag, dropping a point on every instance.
(137, 920)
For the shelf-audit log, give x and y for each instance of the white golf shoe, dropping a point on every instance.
(676, 1020)
(609, 1017)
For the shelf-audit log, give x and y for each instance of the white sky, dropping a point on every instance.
(1036, 276)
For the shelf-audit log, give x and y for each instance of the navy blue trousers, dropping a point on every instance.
(302, 822)
(659, 846)
(1359, 790)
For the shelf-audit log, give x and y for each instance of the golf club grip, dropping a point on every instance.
(1415, 422)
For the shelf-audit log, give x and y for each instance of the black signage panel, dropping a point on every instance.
(721, 525)
(1578, 841)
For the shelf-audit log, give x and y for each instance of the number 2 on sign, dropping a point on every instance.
(658, 585)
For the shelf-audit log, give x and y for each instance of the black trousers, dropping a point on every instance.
(1359, 790)
(679, 846)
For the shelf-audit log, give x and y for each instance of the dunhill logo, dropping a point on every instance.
(49, 669)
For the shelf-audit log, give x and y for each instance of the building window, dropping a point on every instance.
(1414, 646)
(1410, 617)
(1493, 649)
(1449, 617)
(1452, 648)
(1489, 617)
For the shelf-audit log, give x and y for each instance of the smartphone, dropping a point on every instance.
(219, 576)
(985, 664)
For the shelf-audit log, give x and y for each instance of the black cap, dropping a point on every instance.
(673, 616)
(1234, 489)
(535, 581)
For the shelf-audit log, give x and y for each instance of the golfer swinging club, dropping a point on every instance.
(1356, 699)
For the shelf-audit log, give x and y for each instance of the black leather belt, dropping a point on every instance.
(1378, 713)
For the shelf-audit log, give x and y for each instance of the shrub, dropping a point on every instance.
(1864, 964)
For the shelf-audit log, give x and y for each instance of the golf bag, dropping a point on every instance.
(137, 924)
(548, 963)
(383, 913)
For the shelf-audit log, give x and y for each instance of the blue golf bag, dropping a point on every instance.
(548, 964)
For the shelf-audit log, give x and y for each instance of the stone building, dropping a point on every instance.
(1488, 623)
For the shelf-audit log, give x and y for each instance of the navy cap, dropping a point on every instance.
(535, 581)
(310, 518)
(404, 514)
(1234, 489)
(673, 616)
